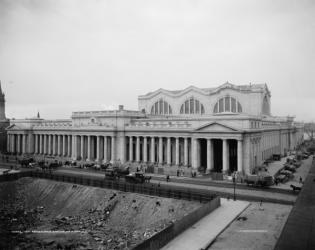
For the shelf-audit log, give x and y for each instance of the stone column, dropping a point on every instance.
(74, 147)
(145, 149)
(138, 149)
(240, 156)
(186, 151)
(105, 149)
(11, 140)
(209, 155)
(49, 144)
(168, 151)
(177, 151)
(88, 148)
(64, 153)
(82, 148)
(36, 144)
(130, 148)
(13, 143)
(58, 144)
(161, 150)
(152, 150)
(8, 142)
(45, 144)
(194, 153)
(23, 144)
(113, 151)
(69, 146)
(224, 156)
(98, 148)
(40, 144)
(31, 139)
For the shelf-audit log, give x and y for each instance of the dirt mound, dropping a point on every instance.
(76, 216)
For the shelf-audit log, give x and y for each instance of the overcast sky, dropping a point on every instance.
(59, 56)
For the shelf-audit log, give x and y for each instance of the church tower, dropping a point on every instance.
(4, 123)
(2, 104)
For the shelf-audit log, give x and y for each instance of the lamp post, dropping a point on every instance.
(234, 184)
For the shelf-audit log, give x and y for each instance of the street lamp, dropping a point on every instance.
(234, 184)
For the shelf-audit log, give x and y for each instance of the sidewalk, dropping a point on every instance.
(204, 232)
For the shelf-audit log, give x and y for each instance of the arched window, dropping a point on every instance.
(192, 106)
(161, 107)
(227, 104)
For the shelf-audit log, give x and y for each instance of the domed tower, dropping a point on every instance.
(4, 123)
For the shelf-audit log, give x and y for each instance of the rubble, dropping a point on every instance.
(81, 217)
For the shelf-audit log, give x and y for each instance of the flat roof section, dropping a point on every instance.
(299, 230)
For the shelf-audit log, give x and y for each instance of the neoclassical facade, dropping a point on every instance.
(224, 129)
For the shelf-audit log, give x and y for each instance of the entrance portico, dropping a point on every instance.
(219, 155)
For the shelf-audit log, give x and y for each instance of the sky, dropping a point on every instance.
(60, 56)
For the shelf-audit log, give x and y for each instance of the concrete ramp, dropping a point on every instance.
(203, 233)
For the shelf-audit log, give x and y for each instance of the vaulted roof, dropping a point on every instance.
(207, 91)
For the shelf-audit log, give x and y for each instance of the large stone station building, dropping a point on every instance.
(224, 129)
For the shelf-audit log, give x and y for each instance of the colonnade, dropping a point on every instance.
(77, 147)
(169, 150)
(178, 151)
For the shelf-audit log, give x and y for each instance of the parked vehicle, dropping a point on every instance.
(281, 178)
(54, 165)
(115, 173)
(137, 177)
(261, 179)
(110, 174)
(290, 168)
(26, 161)
(288, 173)
(33, 164)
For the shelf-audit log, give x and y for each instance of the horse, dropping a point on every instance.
(147, 179)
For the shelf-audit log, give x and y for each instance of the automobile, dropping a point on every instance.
(296, 163)
(33, 164)
(288, 173)
(97, 167)
(281, 178)
(26, 161)
(137, 177)
(290, 168)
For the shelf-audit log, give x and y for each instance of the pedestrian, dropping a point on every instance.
(260, 205)
(177, 173)
(167, 178)
(301, 180)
